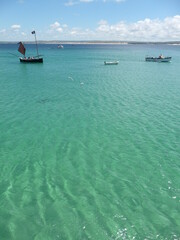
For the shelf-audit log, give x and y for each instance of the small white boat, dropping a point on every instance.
(111, 63)
(60, 46)
(161, 58)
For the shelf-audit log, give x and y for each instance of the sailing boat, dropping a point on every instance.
(22, 50)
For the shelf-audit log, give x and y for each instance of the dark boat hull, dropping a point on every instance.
(31, 60)
(158, 59)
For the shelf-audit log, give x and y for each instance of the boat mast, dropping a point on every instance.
(34, 32)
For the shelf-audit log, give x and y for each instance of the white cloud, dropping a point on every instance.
(75, 2)
(55, 25)
(71, 3)
(3, 30)
(147, 29)
(144, 30)
(119, 1)
(167, 29)
(73, 32)
(116, 1)
(59, 29)
(86, 1)
(103, 26)
(102, 22)
(15, 27)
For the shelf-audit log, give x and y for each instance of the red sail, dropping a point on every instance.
(21, 48)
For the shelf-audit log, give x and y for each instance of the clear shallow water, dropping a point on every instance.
(90, 151)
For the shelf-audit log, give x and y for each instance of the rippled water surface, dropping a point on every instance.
(89, 151)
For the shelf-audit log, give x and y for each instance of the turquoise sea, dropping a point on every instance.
(89, 151)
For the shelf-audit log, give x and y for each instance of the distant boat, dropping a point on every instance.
(60, 46)
(161, 58)
(111, 63)
(22, 50)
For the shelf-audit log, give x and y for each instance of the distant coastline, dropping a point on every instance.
(93, 42)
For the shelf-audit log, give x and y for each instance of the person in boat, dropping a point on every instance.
(30, 57)
(161, 56)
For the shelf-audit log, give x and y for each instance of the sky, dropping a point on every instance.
(105, 20)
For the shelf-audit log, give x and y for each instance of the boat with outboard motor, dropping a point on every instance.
(161, 58)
